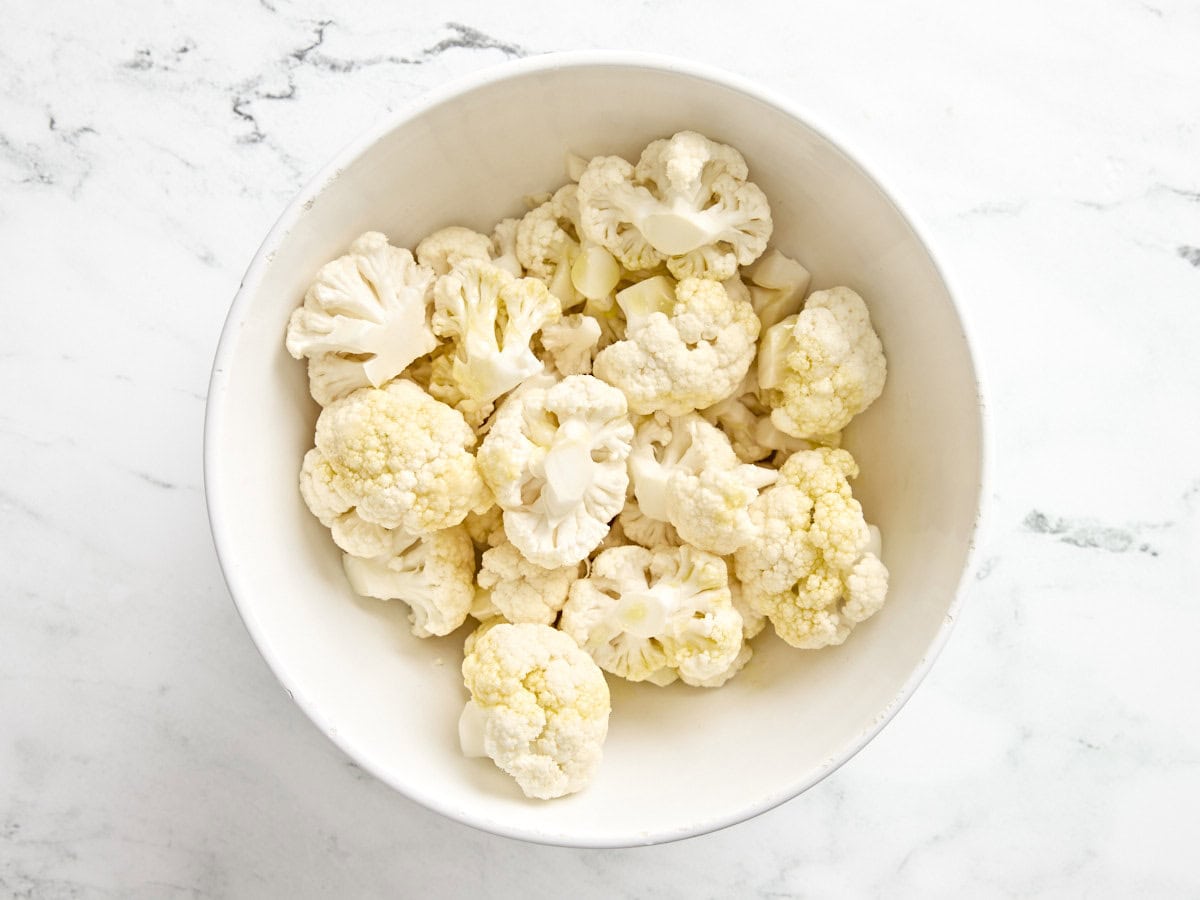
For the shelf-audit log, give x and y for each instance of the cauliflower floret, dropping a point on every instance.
(810, 567)
(523, 591)
(364, 319)
(687, 202)
(819, 369)
(641, 529)
(548, 245)
(492, 318)
(434, 575)
(686, 347)
(555, 457)
(747, 422)
(654, 615)
(486, 528)
(753, 622)
(504, 247)
(539, 707)
(777, 287)
(684, 471)
(400, 458)
(447, 247)
(571, 343)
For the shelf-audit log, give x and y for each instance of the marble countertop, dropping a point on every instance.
(1052, 149)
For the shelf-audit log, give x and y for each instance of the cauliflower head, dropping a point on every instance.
(364, 319)
(820, 368)
(687, 202)
(434, 575)
(686, 346)
(447, 247)
(810, 568)
(656, 615)
(555, 458)
(491, 317)
(520, 590)
(539, 707)
(400, 458)
(684, 471)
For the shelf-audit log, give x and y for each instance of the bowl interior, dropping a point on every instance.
(679, 760)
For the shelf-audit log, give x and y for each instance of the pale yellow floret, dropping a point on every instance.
(401, 458)
(810, 568)
(539, 707)
(819, 369)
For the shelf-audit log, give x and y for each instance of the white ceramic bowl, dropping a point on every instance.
(679, 761)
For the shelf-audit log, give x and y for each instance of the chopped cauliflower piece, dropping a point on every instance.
(810, 568)
(686, 346)
(491, 318)
(504, 247)
(571, 343)
(747, 422)
(555, 458)
(639, 528)
(364, 319)
(655, 615)
(400, 458)
(434, 575)
(549, 246)
(687, 202)
(447, 247)
(777, 287)
(523, 591)
(539, 707)
(684, 471)
(486, 528)
(819, 369)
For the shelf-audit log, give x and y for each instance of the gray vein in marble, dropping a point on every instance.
(1185, 193)
(1088, 534)
(995, 208)
(152, 480)
(38, 163)
(463, 37)
(1191, 254)
(145, 59)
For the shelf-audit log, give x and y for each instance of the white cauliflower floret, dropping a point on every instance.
(400, 458)
(641, 529)
(548, 245)
(684, 471)
(747, 422)
(686, 346)
(523, 591)
(434, 575)
(364, 319)
(539, 707)
(492, 318)
(777, 287)
(504, 247)
(571, 343)
(687, 203)
(555, 458)
(447, 247)
(753, 622)
(486, 528)
(819, 369)
(810, 567)
(654, 615)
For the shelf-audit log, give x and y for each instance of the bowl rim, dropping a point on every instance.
(218, 389)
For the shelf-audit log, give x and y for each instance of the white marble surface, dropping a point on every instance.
(1054, 150)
